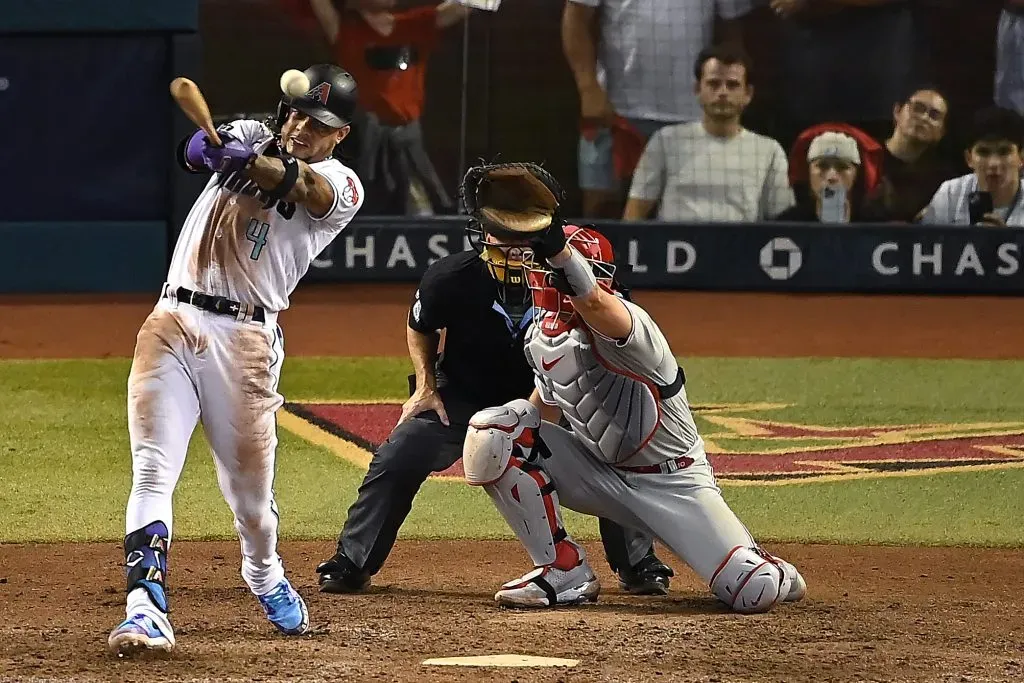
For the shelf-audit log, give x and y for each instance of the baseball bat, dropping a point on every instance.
(191, 101)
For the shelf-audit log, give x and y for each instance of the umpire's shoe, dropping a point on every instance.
(340, 575)
(649, 576)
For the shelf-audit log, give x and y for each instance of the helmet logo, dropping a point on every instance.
(320, 93)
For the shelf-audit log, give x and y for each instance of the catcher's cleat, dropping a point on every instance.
(649, 576)
(798, 587)
(340, 575)
(549, 587)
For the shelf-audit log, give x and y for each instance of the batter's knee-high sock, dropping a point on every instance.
(526, 497)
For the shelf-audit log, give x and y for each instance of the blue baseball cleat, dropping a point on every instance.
(286, 609)
(147, 631)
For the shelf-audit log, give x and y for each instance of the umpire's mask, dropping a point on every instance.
(504, 261)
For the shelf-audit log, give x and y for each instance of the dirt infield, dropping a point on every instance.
(879, 614)
(363, 320)
(885, 614)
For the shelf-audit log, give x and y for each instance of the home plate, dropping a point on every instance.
(500, 660)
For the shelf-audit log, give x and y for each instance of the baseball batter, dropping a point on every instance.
(632, 453)
(212, 350)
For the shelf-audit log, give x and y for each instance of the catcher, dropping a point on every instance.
(631, 451)
(479, 297)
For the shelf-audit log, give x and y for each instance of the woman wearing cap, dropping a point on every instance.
(836, 187)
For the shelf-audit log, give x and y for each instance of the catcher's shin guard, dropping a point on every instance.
(526, 498)
(497, 455)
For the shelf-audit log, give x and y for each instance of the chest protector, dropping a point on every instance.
(615, 413)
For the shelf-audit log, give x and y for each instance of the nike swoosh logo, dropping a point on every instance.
(547, 366)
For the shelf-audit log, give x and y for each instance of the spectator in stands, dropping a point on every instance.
(846, 60)
(713, 169)
(387, 53)
(993, 193)
(646, 50)
(912, 168)
(1009, 82)
(835, 188)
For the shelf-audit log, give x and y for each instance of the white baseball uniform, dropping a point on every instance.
(191, 364)
(632, 454)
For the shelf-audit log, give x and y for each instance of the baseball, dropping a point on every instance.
(294, 83)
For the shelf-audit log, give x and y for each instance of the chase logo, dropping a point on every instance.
(320, 93)
(781, 258)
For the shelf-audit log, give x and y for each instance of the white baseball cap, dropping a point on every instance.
(834, 145)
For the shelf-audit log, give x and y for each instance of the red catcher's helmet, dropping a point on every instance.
(553, 311)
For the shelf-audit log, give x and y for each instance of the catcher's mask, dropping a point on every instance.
(508, 205)
(554, 312)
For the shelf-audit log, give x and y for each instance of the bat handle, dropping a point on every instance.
(211, 133)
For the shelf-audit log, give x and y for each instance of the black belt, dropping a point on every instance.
(667, 467)
(217, 304)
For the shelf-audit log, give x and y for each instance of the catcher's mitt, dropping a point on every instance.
(513, 199)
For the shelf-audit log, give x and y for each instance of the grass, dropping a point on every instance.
(65, 467)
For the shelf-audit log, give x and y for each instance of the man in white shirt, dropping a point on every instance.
(993, 193)
(713, 169)
(632, 62)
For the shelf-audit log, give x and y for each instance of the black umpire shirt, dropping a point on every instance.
(484, 359)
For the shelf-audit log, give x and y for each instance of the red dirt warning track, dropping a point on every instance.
(872, 614)
(365, 320)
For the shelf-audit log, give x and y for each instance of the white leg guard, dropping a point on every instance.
(526, 498)
(495, 454)
(750, 580)
(493, 435)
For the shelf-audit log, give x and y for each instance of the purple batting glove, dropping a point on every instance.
(232, 156)
(194, 150)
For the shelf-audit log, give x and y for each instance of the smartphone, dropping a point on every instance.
(979, 204)
(833, 204)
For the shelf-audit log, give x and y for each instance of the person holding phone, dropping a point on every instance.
(992, 194)
(835, 188)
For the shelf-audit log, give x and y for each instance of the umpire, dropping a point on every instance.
(480, 299)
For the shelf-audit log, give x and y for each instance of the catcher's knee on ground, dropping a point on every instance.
(752, 581)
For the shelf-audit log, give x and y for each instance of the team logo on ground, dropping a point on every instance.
(743, 447)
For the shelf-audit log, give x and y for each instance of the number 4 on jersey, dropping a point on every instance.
(257, 234)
